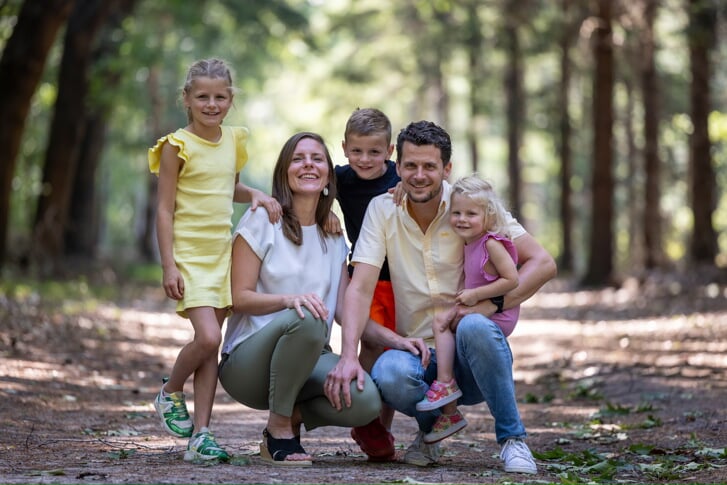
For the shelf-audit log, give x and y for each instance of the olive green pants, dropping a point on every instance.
(285, 364)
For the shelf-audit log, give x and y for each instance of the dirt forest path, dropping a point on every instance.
(615, 385)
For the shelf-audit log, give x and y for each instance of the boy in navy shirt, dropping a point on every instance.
(370, 172)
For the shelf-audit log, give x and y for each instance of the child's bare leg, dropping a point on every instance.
(445, 345)
(450, 408)
(200, 357)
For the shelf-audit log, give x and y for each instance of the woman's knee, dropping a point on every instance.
(367, 402)
(310, 329)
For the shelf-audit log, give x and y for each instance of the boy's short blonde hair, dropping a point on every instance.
(367, 122)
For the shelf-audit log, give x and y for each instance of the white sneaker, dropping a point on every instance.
(517, 457)
(172, 411)
(202, 446)
(421, 454)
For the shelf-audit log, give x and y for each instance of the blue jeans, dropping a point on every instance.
(482, 367)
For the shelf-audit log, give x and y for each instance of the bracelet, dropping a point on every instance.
(498, 301)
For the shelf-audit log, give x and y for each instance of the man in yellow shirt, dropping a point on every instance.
(425, 260)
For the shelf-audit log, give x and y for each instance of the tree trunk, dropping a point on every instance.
(81, 235)
(66, 133)
(600, 261)
(21, 67)
(633, 203)
(515, 102)
(652, 165)
(702, 36)
(565, 263)
(473, 45)
(84, 219)
(146, 242)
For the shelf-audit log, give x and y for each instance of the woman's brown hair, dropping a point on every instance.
(281, 189)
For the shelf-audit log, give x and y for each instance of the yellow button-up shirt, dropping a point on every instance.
(426, 268)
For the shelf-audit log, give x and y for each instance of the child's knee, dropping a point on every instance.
(209, 341)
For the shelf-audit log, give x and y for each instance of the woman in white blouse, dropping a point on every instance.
(288, 282)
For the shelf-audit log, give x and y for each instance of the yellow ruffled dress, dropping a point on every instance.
(203, 212)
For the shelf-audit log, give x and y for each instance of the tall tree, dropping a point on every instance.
(61, 160)
(702, 37)
(84, 218)
(515, 99)
(473, 44)
(21, 67)
(146, 242)
(634, 209)
(565, 42)
(652, 164)
(600, 261)
(431, 25)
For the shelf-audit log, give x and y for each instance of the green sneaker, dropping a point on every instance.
(202, 446)
(173, 412)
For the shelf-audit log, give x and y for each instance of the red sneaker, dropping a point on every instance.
(375, 440)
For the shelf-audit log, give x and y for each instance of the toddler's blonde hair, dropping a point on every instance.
(482, 193)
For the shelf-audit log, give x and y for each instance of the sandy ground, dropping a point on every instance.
(624, 386)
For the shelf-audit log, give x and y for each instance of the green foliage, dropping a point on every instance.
(83, 293)
(52, 291)
(306, 65)
(149, 273)
(239, 460)
(533, 399)
(121, 454)
(8, 12)
(586, 390)
(611, 409)
(657, 464)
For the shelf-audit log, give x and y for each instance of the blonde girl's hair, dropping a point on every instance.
(482, 193)
(212, 68)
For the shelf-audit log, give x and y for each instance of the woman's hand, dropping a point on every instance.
(311, 301)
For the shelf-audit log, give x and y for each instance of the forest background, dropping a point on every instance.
(603, 122)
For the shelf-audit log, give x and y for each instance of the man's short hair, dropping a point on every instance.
(425, 133)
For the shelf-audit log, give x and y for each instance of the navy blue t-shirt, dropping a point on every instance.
(354, 195)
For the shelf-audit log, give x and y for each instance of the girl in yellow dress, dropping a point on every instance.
(198, 168)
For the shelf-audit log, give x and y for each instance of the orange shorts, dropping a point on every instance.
(382, 306)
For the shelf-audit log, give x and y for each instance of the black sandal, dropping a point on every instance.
(276, 450)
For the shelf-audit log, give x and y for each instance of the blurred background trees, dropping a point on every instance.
(603, 122)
